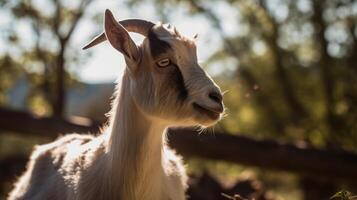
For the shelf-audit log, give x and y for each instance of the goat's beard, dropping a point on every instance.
(196, 119)
(207, 123)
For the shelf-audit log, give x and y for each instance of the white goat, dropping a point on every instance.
(162, 86)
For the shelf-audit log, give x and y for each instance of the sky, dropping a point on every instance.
(105, 64)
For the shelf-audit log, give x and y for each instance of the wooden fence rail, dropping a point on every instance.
(266, 154)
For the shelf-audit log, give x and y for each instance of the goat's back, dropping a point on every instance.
(53, 169)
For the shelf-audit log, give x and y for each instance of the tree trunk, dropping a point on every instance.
(59, 105)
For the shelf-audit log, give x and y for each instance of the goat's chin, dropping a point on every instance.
(195, 121)
(191, 119)
(207, 122)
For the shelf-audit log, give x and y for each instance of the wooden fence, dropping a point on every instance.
(267, 154)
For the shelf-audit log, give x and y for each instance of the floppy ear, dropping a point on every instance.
(119, 37)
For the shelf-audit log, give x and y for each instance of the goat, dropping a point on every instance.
(162, 86)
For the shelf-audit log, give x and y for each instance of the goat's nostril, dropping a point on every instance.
(215, 96)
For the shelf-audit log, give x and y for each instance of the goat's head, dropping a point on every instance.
(166, 81)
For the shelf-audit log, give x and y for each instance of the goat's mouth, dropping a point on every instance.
(214, 115)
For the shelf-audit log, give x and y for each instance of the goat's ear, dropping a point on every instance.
(119, 37)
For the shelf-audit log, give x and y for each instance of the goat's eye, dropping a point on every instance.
(164, 62)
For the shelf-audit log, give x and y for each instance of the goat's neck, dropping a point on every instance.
(135, 149)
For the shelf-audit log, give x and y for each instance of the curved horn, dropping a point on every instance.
(132, 25)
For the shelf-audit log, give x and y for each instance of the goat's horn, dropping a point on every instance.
(132, 25)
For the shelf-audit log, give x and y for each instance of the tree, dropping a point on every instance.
(52, 26)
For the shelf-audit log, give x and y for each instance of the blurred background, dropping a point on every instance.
(288, 69)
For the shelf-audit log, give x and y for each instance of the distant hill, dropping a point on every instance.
(85, 100)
